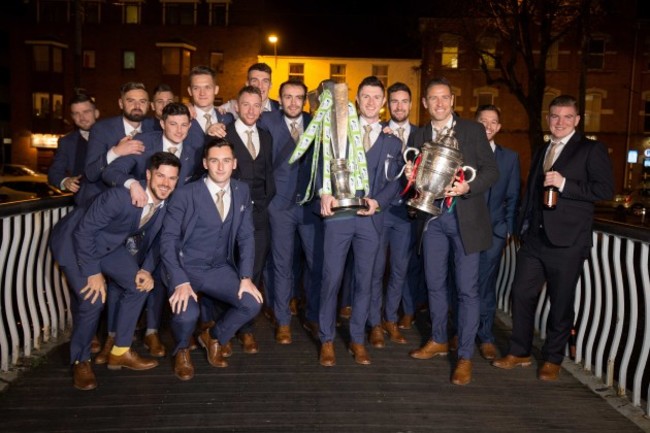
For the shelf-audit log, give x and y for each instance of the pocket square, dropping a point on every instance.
(242, 208)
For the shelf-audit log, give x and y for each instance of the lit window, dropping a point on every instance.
(216, 61)
(128, 60)
(171, 61)
(41, 104)
(553, 56)
(449, 58)
(89, 59)
(337, 73)
(381, 72)
(57, 59)
(297, 71)
(488, 50)
(131, 13)
(41, 58)
(593, 104)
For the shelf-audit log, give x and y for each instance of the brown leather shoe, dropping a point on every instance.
(213, 349)
(393, 332)
(283, 334)
(430, 350)
(360, 354)
(154, 345)
(83, 376)
(509, 362)
(327, 357)
(293, 306)
(462, 373)
(406, 322)
(95, 345)
(206, 325)
(248, 343)
(376, 338)
(488, 351)
(453, 343)
(313, 329)
(183, 367)
(193, 344)
(345, 312)
(130, 360)
(226, 350)
(102, 357)
(549, 372)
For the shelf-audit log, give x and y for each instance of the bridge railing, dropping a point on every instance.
(611, 337)
(34, 298)
(612, 326)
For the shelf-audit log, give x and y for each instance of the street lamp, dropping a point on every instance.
(274, 40)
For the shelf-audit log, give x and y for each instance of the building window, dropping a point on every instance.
(484, 98)
(89, 59)
(488, 51)
(92, 12)
(53, 12)
(381, 72)
(337, 73)
(171, 61)
(177, 58)
(552, 56)
(216, 61)
(593, 108)
(128, 60)
(179, 13)
(449, 58)
(297, 71)
(646, 115)
(57, 106)
(596, 52)
(131, 12)
(41, 104)
(57, 59)
(218, 12)
(186, 56)
(41, 58)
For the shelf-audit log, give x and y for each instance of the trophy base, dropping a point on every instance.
(427, 207)
(346, 203)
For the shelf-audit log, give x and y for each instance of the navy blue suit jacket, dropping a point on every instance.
(184, 208)
(290, 179)
(135, 166)
(71, 147)
(84, 237)
(503, 197)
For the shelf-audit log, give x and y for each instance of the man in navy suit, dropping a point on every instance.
(203, 89)
(175, 137)
(396, 233)
(502, 201)
(161, 96)
(208, 221)
(258, 75)
(66, 171)
(254, 152)
(113, 137)
(361, 231)
(287, 217)
(112, 239)
(556, 242)
(461, 231)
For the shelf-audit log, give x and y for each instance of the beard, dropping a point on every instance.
(137, 116)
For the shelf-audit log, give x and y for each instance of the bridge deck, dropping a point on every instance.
(284, 389)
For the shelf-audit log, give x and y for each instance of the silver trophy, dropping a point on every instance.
(439, 164)
(339, 170)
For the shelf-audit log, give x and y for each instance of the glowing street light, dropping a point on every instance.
(274, 40)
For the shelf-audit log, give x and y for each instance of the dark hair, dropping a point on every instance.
(396, 87)
(371, 81)
(488, 107)
(203, 70)
(163, 158)
(438, 81)
(249, 89)
(564, 101)
(175, 109)
(132, 85)
(162, 87)
(80, 98)
(262, 67)
(293, 82)
(216, 142)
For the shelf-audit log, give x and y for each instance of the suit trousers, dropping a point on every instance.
(362, 235)
(396, 241)
(121, 267)
(538, 261)
(222, 284)
(487, 280)
(442, 241)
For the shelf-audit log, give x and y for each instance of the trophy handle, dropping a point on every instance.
(472, 169)
(410, 149)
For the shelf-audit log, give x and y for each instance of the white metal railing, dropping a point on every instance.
(34, 298)
(612, 306)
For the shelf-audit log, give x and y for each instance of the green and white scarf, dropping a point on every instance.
(320, 130)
